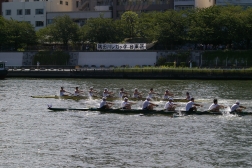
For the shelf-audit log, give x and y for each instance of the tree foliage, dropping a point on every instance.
(130, 22)
(64, 30)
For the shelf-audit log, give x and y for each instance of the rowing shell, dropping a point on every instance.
(108, 98)
(147, 112)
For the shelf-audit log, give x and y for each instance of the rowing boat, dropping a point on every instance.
(147, 112)
(108, 98)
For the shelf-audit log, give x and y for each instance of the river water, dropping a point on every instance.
(32, 136)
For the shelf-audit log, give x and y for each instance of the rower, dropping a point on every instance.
(77, 92)
(137, 94)
(170, 106)
(147, 105)
(236, 107)
(104, 104)
(188, 97)
(125, 104)
(62, 92)
(167, 94)
(122, 93)
(91, 92)
(191, 105)
(151, 93)
(215, 107)
(106, 93)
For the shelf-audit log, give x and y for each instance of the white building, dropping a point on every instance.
(190, 4)
(244, 3)
(35, 11)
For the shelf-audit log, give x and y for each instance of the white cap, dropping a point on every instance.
(125, 98)
(104, 98)
(148, 98)
(237, 102)
(135, 88)
(105, 89)
(171, 99)
(91, 87)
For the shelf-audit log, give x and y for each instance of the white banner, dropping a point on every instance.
(131, 46)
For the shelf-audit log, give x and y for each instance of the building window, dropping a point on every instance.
(27, 11)
(77, 4)
(8, 12)
(26, 0)
(61, 2)
(19, 12)
(66, 3)
(39, 23)
(49, 21)
(39, 11)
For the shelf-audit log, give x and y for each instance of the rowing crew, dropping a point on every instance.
(170, 106)
(77, 92)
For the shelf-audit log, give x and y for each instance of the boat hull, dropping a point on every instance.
(147, 112)
(3, 73)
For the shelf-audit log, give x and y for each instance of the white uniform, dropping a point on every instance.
(189, 105)
(234, 107)
(145, 104)
(166, 96)
(124, 104)
(76, 93)
(90, 93)
(168, 104)
(213, 106)
(103, 103)
(121, 94)
(135, 95)
(105, 94)
(188, 98)
(62, 93)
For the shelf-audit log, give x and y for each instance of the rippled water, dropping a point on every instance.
(31, 136)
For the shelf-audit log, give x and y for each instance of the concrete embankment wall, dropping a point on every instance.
(106, 58)
(95, 73)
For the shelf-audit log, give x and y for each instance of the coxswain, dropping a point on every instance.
(137, 94)
(92, 92)
(104, 104)
(170, 106)
(122, 93)
(236, 107)
(215, 107)
(77, 92)
(106, 93)
(147, 105)
(191, 105)
(62, 92)
(151, 93)
(188, 97)
(167, 94)
(125, 104)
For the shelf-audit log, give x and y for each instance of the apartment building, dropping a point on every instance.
(244, 3)
(34, 11)
(190, 4)
(1, 1)
(138, 6)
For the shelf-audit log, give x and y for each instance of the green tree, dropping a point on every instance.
(20, 34)
(147, 25)
(202, 26)
(3, 32)
(44, 35)
(170, 28)
(101, 30)
(130, 22)
(64, 30)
